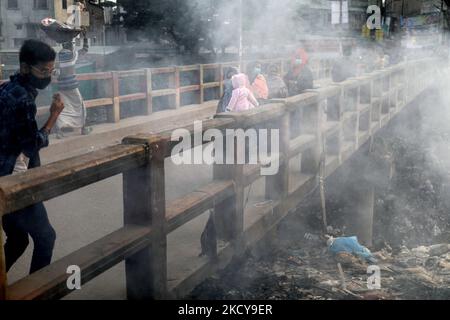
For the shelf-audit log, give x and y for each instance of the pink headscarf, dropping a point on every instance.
(242, 98)
(239, 80)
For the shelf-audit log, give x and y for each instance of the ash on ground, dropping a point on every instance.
(306, 270)
(411, 237)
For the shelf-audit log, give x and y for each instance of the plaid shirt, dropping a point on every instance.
(18, 127)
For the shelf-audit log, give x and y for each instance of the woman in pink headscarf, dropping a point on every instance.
(242, 98)
(300, 77)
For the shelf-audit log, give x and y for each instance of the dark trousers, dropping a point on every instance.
(32, 221)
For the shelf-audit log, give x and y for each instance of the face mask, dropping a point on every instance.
(298, 62)
(38, 83)
(258, 70)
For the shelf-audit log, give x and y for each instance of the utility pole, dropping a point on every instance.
(341, 20)
(240, 33)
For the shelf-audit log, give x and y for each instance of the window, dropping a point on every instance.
(13, 4)
(32, 29)
(18, 42)
(64, 4)
(41, 4)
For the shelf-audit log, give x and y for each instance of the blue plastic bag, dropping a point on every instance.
(352, 246)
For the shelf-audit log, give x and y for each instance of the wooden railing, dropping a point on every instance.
(154, 83)
(345, 115)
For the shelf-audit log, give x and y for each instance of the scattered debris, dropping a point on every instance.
(302, 272)
(411, 236)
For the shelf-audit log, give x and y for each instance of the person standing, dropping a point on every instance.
(242, 98)
(227, 90)
(74, 115)
(344, 68)
(300, 77)
(275, 83)
(257, 82)
(20, 142)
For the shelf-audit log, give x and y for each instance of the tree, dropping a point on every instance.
(179, 22)
(446, 14)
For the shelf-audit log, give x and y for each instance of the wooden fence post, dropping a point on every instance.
(359, 93)
(149, 91)
(177, 88)
(277, 186)
(229, 214)
(243, 67)
(313, 118)
(221, 75)
(144, 204)
(114, 114)
(3, 278)
(377, 100)
(350, 124)
(370, 98)
(340, 137)
(202, 89)
(335, 113)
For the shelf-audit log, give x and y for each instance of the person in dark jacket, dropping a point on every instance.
(227, 90)
(300, 77)
(20, 142)
(394, 50)
(276, 84)
(344, 68)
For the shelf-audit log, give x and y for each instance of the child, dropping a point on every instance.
(242, 98)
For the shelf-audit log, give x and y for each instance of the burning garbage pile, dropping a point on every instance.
(313, 270)
(414, 210)
(410, 256)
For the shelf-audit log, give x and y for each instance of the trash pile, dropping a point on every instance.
(414, 209)
(311, 271)
(411, 235)
(424, 270)
(305, 265)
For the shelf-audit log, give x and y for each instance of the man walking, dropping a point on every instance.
(20, 142)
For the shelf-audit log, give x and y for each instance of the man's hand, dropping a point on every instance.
(55, 110)
(57, 105)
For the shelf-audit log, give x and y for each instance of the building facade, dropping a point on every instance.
(398, 8)
(318, 15)
(20, 19)
(96, 30)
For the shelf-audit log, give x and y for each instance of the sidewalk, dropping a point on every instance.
(112, 133)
